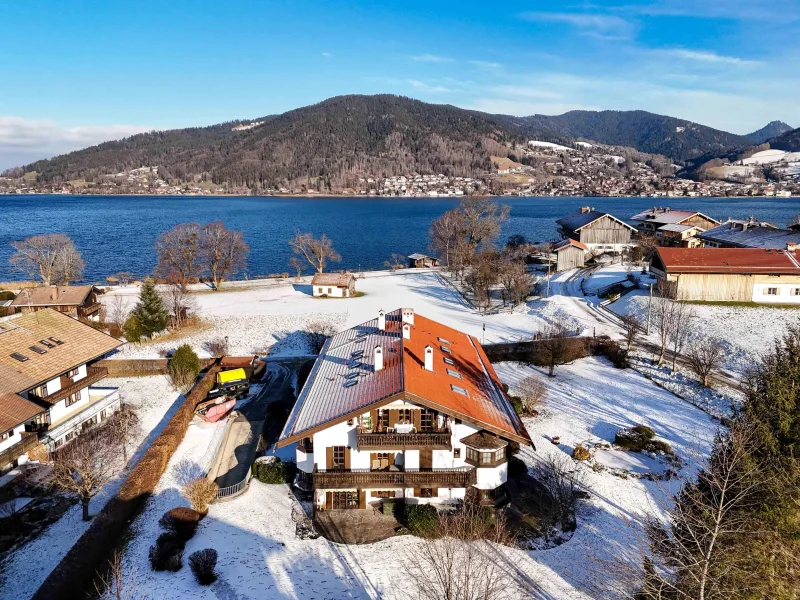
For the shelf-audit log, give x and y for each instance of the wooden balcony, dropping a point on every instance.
(93, 375)
(368, 440)
(89, 309)
(28, 442)
(410, 478)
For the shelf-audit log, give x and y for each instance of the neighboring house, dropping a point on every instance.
(75, 300)
(402, 407)
(336, 285)
(47, 383)
(653, 219)
(569, 254)
(675, 234)
(749, 233)
(598, 231)
(418, 261)
(729, 274)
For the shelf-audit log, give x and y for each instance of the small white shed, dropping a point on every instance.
(333, 285)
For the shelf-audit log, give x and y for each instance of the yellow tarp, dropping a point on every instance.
(228, 376)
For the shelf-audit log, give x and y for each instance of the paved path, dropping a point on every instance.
(241, 444)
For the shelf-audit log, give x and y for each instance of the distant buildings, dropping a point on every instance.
(654, 219)
(750, 233)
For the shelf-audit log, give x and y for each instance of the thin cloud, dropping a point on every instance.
(432, 58)
(485, 64)
(599, 25)
(426, 87)
(327, 55)
(710, 57)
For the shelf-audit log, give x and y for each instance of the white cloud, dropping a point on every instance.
(432, 58)
(704, 56)
(33, 139)
(430, 88)
(600, 25)
(485, 64)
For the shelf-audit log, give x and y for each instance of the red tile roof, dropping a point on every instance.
(329, 396)
(570, 242)
(755, 261)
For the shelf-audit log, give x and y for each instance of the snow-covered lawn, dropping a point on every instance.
(272, 317)
(747, 331)
(588, 401)
(27, 567)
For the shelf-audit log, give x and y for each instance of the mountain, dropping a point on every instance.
(678, 139)
(335, 142)
(338, 140)
(770, 130)
(788, 141)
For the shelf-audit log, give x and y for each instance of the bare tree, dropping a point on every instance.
(517, 282)
(630, 329)
(179, 253)
(482, 276)
(662, 315)
(117, 310)
(298, 265)
(200, 493)
(85, 464)
(52, 258)
(125, 427)
(531, 391)
(554, 344)
(445, 233)
(114, 585)
(224, 251)
(179, 303)
(124, 278)
(680, 325)
(318, 333)
(563, 481)
(690, 559)
(317, 251)
(704, 357)
(396, 262)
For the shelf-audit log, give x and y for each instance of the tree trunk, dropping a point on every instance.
(85, 505)
(552, 368)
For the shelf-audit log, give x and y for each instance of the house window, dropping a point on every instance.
(319, 290)
(458, 390)
(329, 290)
(426, 492)
(456, 452)
(338, 457)
(74, 372)
(69, 437)
(73, 398)
(404, 415)
(448, 361)
(487, 458)
(349, 421)
(795, 291)
(426, 419)
(40, 392)
(383, 419)
(771, 291)
(383, 494)
(445, 349)
(453, 373)
(6, 435)
(345, 500)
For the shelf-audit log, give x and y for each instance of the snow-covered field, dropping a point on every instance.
(272, 318)
(27, 567)
(747, 332)
(766, 157)
(588, 401)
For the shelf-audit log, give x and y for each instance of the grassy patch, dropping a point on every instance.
(326, 297)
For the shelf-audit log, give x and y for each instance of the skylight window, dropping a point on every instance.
(38, 349)
(448, 361)
(443, 341)
(19, 357)
(458, 390)
(455, 374)
(445, 349)
(350, 383)
(55, 340)
(47, 343)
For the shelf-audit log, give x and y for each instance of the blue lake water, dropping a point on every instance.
(117, 233)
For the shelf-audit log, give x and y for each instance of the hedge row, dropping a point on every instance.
(127, 367)
(78, 568)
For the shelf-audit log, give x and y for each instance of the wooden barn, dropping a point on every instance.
(418, 261)
(599, 231)
(569, 254)
(75, 300)
(654, 219)
(763, 276)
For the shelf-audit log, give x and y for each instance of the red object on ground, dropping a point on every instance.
(215, 412)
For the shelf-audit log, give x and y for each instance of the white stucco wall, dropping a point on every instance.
(335, 292)
(60, 410)
(784, 296)
(492, 477)
(14, 438)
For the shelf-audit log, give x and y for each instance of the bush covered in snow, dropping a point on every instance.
(203, 563)
(640, 438)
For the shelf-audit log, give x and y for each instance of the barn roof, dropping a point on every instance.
(667, 215)
(755, 261)
(579, 220)
(344, 383)
(566, 243)
(334, 279)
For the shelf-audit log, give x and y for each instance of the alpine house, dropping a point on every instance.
(402, 407)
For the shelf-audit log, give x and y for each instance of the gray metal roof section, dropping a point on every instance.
(344, 379)
(753, 236)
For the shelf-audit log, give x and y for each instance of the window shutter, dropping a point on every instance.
(329, 457)
(373, 419)
(416, 418)
(416, 492)
(391, 458)
(346, 457)
(435, 492)
(362, 498)
(329, 500)
(394, 417)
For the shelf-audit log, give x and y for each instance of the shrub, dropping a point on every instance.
(422, 519)
(531, 390)
(516, 402)
(614, 352)
(200, 493)
(639, 438)
(581, 453)
(132, 329)
(270, 469)
(216, 347)
(167, 553)
(203, 563)
(184, 367)
(182, 521)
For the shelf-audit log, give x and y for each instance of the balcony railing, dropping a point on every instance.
(28, 442)
(93, 375)
(89, 309)
(368, 440)
(356, 478)
(64, 426)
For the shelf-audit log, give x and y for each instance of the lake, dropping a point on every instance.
(117, 233)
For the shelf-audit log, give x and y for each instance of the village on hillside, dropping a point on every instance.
(522, 420)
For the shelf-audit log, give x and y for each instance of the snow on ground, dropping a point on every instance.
(260, 556)
(606, 276)
(747, 331)
(273, 317)
(28, 566)
(766, 157)
(550, 145)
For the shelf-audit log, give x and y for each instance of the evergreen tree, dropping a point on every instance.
(149, 311)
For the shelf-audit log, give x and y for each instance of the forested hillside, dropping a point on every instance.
(770, 130)
(789, 141)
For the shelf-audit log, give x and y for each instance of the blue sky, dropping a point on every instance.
(78, 72)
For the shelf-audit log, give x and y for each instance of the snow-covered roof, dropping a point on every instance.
(751, 235)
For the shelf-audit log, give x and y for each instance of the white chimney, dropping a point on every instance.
(429, 358)
(382, 320)
(378, 361)
(406, 331)
(408, 316)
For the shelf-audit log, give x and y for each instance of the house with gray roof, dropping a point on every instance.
(749, 233)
